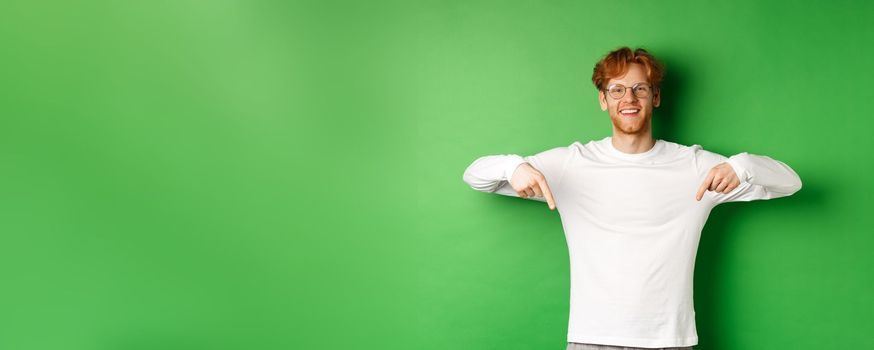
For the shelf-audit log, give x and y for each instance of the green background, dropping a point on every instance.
(287, 175)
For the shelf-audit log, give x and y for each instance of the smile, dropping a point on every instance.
(629, 112)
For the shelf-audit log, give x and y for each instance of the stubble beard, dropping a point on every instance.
(629, 127)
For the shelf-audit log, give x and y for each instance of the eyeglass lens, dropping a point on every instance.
(640, 91)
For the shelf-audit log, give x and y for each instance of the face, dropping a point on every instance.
(633, 123)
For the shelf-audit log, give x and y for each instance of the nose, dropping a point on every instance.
(629, 96)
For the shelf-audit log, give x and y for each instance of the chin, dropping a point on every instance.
(631, 131)
(630, 128)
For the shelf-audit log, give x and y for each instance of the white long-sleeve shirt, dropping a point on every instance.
(632, 226)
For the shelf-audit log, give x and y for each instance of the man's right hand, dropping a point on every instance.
(529, 182)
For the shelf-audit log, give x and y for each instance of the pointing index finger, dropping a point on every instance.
(547, 193)
(704, 186)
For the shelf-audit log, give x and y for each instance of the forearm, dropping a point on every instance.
(487, 173)
(777, 178)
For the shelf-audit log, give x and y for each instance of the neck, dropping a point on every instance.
(633, 143)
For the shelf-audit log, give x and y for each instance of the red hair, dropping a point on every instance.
(615, 64)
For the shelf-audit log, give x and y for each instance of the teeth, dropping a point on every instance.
(630, 111)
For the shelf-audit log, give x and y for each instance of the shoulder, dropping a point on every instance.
(704, 159)
(587, 150)
(701, 158)
(573, 150)
(553, 157)
(559, 152)
(693, 150)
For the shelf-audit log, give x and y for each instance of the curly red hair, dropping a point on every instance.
(615, 64)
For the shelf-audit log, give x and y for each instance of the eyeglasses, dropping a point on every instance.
(640, 90)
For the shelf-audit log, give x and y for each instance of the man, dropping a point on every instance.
(632, 208)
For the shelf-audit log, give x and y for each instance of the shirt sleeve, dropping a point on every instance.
(492, 173)
(761, 177)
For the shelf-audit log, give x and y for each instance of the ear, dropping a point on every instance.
(656, 98)
(602, 99)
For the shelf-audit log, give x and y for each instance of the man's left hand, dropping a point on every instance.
(721, 178)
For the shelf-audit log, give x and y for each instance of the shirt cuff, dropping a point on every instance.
(512, 165)
(739, 163)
